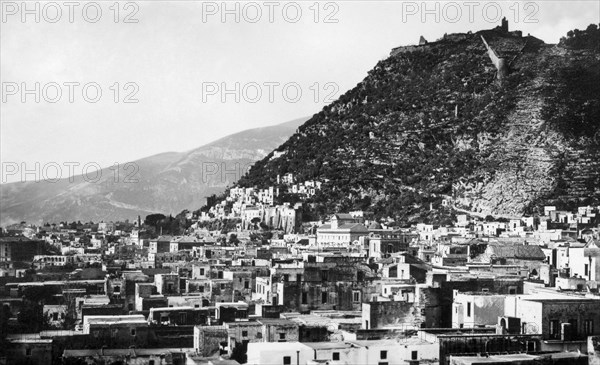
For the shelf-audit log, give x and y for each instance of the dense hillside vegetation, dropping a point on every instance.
(432, 126)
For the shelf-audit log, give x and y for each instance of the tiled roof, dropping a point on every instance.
(344, 216)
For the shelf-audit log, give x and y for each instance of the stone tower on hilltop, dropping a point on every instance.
(504, 26)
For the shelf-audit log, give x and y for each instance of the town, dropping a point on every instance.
(444, 211)
(270, 288)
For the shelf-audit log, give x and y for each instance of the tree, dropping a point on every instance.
(240, 352)
(233, 239)
(50, 249)
(153, 219)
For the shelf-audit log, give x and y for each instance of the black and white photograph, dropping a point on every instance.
(308, 182)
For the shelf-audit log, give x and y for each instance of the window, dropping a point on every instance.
(201, 271)
(336, 356)
(28, 351)
(324, 275)
(287, 360)
(133, 331)
(201, 288)
(554, 329)
(588, 327)
(151, 362)
(383, 355)
(282, 337)
(246, 285)
(258, 334)
(356, 296)
(573, 329)
(414, 355)
(468, 309)
(182, 317)
(55, 316)
(304, 298)
(512, 290)
(244, 333)
(222, 286)
(324, 297)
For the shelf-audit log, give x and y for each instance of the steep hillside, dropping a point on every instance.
(165, 183)
(432, 126)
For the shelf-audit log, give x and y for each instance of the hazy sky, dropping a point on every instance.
(179, 55)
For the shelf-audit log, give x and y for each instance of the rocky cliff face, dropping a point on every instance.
(432, 126)
(164, 183)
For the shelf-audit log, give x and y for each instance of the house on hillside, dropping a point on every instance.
(584, 260)
(530, 256)
(342, 231)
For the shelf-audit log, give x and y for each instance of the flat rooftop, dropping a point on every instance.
(174, 309)
(134, 318)
(328, 345)
(509, 359)
(391, 342)
(124, 352)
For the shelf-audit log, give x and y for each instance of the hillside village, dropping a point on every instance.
(264, 274)
(347, 291)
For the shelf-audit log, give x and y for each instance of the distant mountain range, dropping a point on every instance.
(165, 183)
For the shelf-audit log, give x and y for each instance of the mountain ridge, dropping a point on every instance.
(432, 126)
(168, 182)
